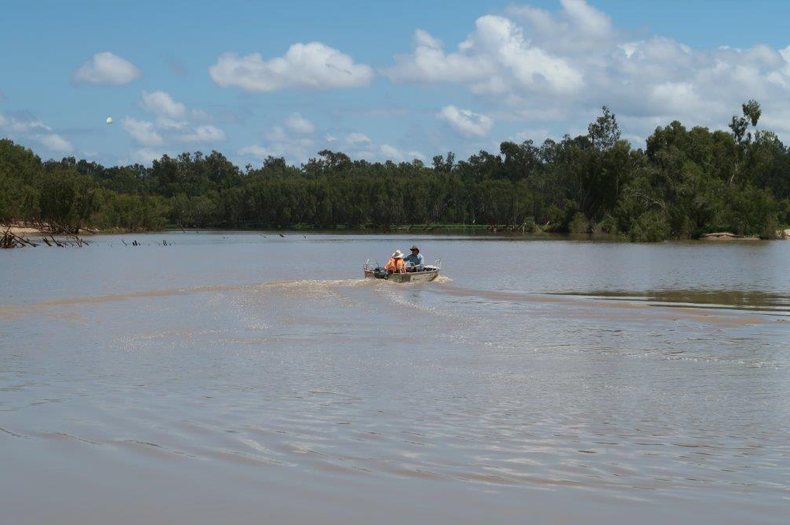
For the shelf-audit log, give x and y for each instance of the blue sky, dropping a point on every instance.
(379, 80)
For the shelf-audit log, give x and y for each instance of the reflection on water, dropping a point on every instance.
(764, 302)
(233, 377)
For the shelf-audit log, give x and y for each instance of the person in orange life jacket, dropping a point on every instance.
(395, 264)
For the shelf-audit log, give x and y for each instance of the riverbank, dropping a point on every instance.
(22, 231)
(30, 230)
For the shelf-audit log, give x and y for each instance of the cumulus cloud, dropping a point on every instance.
(26, 127)
(108, 69)
(357, 138)
(292, 143)
(174, 123)
(206, 133)
(495, 58)
(55, 142)
(536, 135)
(466, 122)
(254, 150)
(297, 147)
(304, 66)
(147, 155)
(162, 104)
(556, 68)
(169, 113)
(388, 152)
(360, 146)
(293, 149)
(391, 151)
(429, 63)
(21, 124)
(577, 27)
(298, 124)
(143, 132)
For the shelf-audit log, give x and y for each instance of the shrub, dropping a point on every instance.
(579, 223)
(651, 226)
(608, 225)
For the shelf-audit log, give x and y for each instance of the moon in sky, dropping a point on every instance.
(109, 120)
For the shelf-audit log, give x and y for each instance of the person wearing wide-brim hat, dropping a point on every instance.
(414, 261)
(396, 264)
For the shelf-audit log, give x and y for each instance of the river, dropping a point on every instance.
(244, 378)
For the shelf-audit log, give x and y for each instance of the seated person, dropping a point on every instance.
(395, 264)
(414, 261)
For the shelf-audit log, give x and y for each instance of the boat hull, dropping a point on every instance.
(409, 277)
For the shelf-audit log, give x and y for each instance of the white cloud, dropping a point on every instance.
(495, 58)
(55, 142)
(205, 133)
(429, 63)
(23, 124)
(257, 151)
(299, 149)
(357, 138)
(106, 68)
(360, 146)
(291, 144)
(298, 124)
(276, 134)
(392, 153)
(169, 113)
(538, 136)
(556, 68)
(466, 122)
(577, 27)
(296, 150)
(162, 104)
(142, 132)
(147, 155)
(174, 123)
(304, 66)
(590, 21)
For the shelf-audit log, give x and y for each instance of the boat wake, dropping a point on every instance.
(290, 287)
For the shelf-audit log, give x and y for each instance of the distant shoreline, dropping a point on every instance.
(459, 229)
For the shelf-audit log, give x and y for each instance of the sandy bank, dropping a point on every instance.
(23, 231)
(28, 230)
(727, 236)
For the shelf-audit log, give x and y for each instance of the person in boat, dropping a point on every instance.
(396, 264)
(414, 261)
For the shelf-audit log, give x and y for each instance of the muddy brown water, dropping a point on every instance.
(247, 378)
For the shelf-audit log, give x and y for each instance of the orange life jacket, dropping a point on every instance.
(395, 266)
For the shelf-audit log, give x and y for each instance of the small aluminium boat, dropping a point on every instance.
(429, 273)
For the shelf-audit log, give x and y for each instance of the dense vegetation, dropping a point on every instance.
(684, 183)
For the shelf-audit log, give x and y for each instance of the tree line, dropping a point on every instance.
(684, 183)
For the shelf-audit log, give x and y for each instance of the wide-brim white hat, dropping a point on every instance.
(397, 255)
